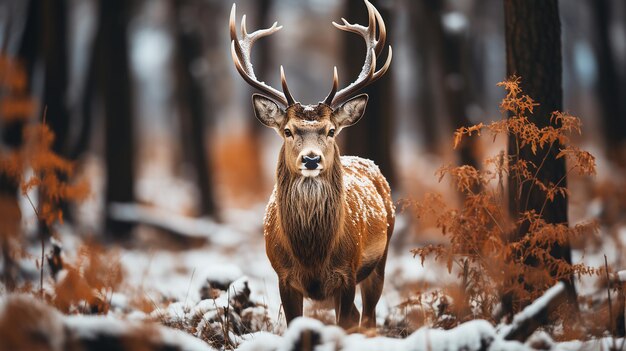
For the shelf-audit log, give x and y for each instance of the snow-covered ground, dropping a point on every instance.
(236, 249)
(226, 286)
(224, 291)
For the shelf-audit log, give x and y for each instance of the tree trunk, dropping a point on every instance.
(427, 50)
(11, 139)
(443, 59)
(533, 51)
(115, 86)
(84, 108)
(455, 81)
(55, 59)
(372, 136)
(11, 214)
(192, 112)
(263, 62)
(607, 85)
(54, 37)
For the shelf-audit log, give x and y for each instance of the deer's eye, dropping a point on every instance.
(331, 132)
(288, 133)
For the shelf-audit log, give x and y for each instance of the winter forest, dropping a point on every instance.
(146, 205)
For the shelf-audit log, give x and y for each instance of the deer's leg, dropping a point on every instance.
(345, 310)
(371, 289)
(291, 299)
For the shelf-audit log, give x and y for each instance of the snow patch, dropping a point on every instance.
(539, 304)
(223, 274)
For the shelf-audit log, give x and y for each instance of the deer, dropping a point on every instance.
(329, 219)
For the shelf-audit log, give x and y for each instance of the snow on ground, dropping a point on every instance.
(235, 259)
(234, 250)
(237, 249)
(175, 282)
(27, 323)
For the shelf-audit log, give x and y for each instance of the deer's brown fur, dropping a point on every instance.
(331, 231)
(329, 220)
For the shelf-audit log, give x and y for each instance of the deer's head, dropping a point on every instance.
(309, 131)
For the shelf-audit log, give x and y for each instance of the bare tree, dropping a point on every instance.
(425, 25)
(113, 79)
(11, 214)
(54, 53)
(263, 63)
(11, 139)
(371, 138)
(443, 61)
(54, 40)
(608, 86)
(191, 103)
(533, 51)
(455, 79)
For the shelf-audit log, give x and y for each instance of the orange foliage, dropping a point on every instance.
(34, 165)
(239, 169)
(480, 248)
(87, 284)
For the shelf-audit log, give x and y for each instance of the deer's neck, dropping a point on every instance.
(311, 210)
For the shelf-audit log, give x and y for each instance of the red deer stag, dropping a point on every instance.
(329, 220)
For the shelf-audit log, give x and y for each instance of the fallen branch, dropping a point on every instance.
(182, 227)
(536, 314)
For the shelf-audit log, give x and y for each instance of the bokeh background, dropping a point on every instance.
(144, 98)
(144, 94)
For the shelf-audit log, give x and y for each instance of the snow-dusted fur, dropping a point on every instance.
(327, 233)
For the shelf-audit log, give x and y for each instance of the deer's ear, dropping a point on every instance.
(267, 111)
(351, 111)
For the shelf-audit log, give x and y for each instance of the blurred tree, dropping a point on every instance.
(82, 107)
(425, 24)
(11, 134)
(533, 51)
(372, 137)
(113, 79)
(191, 103)
(29, 43)
(443, 51)
(262, 56)
(55, 62)
(11, 214)
(608, 85)
(45, 40)
(263, 61)
(253, 166)
(54, 40)
(455, 57)
(480, 20)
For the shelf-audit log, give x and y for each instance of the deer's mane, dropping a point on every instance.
(310, 209)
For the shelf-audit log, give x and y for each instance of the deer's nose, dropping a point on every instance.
(311, 162)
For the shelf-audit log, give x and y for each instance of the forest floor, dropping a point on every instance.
(217, 285)
(196, 284)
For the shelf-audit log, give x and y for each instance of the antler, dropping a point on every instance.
(374, 46)
(240, 51)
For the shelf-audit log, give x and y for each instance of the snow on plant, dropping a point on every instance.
(481, 248)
